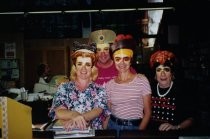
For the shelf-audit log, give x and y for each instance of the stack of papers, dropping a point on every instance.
(74, 133)
(60, 132)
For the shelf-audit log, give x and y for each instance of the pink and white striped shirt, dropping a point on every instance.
(127, 99)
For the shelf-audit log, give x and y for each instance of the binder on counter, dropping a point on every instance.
(15, 119)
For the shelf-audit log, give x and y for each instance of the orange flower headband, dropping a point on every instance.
(161, 57)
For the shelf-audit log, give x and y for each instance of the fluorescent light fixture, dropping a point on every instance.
(7, 13)
(117, 10)
(81, 11)
(157, 8)
(88, 11)
(45, 12)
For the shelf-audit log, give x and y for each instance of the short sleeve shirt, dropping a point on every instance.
(81, 101)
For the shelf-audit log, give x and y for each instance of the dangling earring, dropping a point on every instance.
(94, 73)
(173, 77)
(73, 73)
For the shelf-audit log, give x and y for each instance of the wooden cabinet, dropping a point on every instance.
(52, 52)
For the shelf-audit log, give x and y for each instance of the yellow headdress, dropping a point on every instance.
(104, 36)
(124, 44)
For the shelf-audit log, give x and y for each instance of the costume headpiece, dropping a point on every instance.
(89, 48)
(123, 44)
(102, 36)
(162, 58)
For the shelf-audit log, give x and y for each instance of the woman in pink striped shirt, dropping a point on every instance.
(129, 94)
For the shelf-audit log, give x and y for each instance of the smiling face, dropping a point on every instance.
(103, 53)
(83, 67)
(122, 62)
(164, 76)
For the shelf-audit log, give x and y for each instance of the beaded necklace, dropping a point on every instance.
(163, 95)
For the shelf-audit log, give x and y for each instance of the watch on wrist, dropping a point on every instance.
(178, 127)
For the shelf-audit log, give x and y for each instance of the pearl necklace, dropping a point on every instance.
(163, 95)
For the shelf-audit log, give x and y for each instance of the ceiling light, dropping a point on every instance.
(118, 10)
(45, 12)
(12, 13)
(157, 8)
(81, 11)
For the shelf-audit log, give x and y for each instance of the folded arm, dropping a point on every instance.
(74, 119)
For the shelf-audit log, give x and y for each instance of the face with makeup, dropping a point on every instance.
(122, 61)
(163, 76)
(103, 53)
(83, 67)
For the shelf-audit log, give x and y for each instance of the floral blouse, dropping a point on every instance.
(70, 97)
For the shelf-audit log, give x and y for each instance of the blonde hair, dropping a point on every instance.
(94, 71)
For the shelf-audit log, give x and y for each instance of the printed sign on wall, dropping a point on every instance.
(10, 50)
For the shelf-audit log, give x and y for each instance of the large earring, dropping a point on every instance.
(73, 73)
(173, 77)
(155, 77)
(94, 73)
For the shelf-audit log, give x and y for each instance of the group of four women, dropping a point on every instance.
(127, 101)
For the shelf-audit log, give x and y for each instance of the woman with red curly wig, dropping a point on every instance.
(169, 106)
(129, 94)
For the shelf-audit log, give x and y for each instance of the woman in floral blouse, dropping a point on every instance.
(81, 103)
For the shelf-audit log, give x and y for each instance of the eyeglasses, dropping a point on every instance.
(166, 69)
(125, 59)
